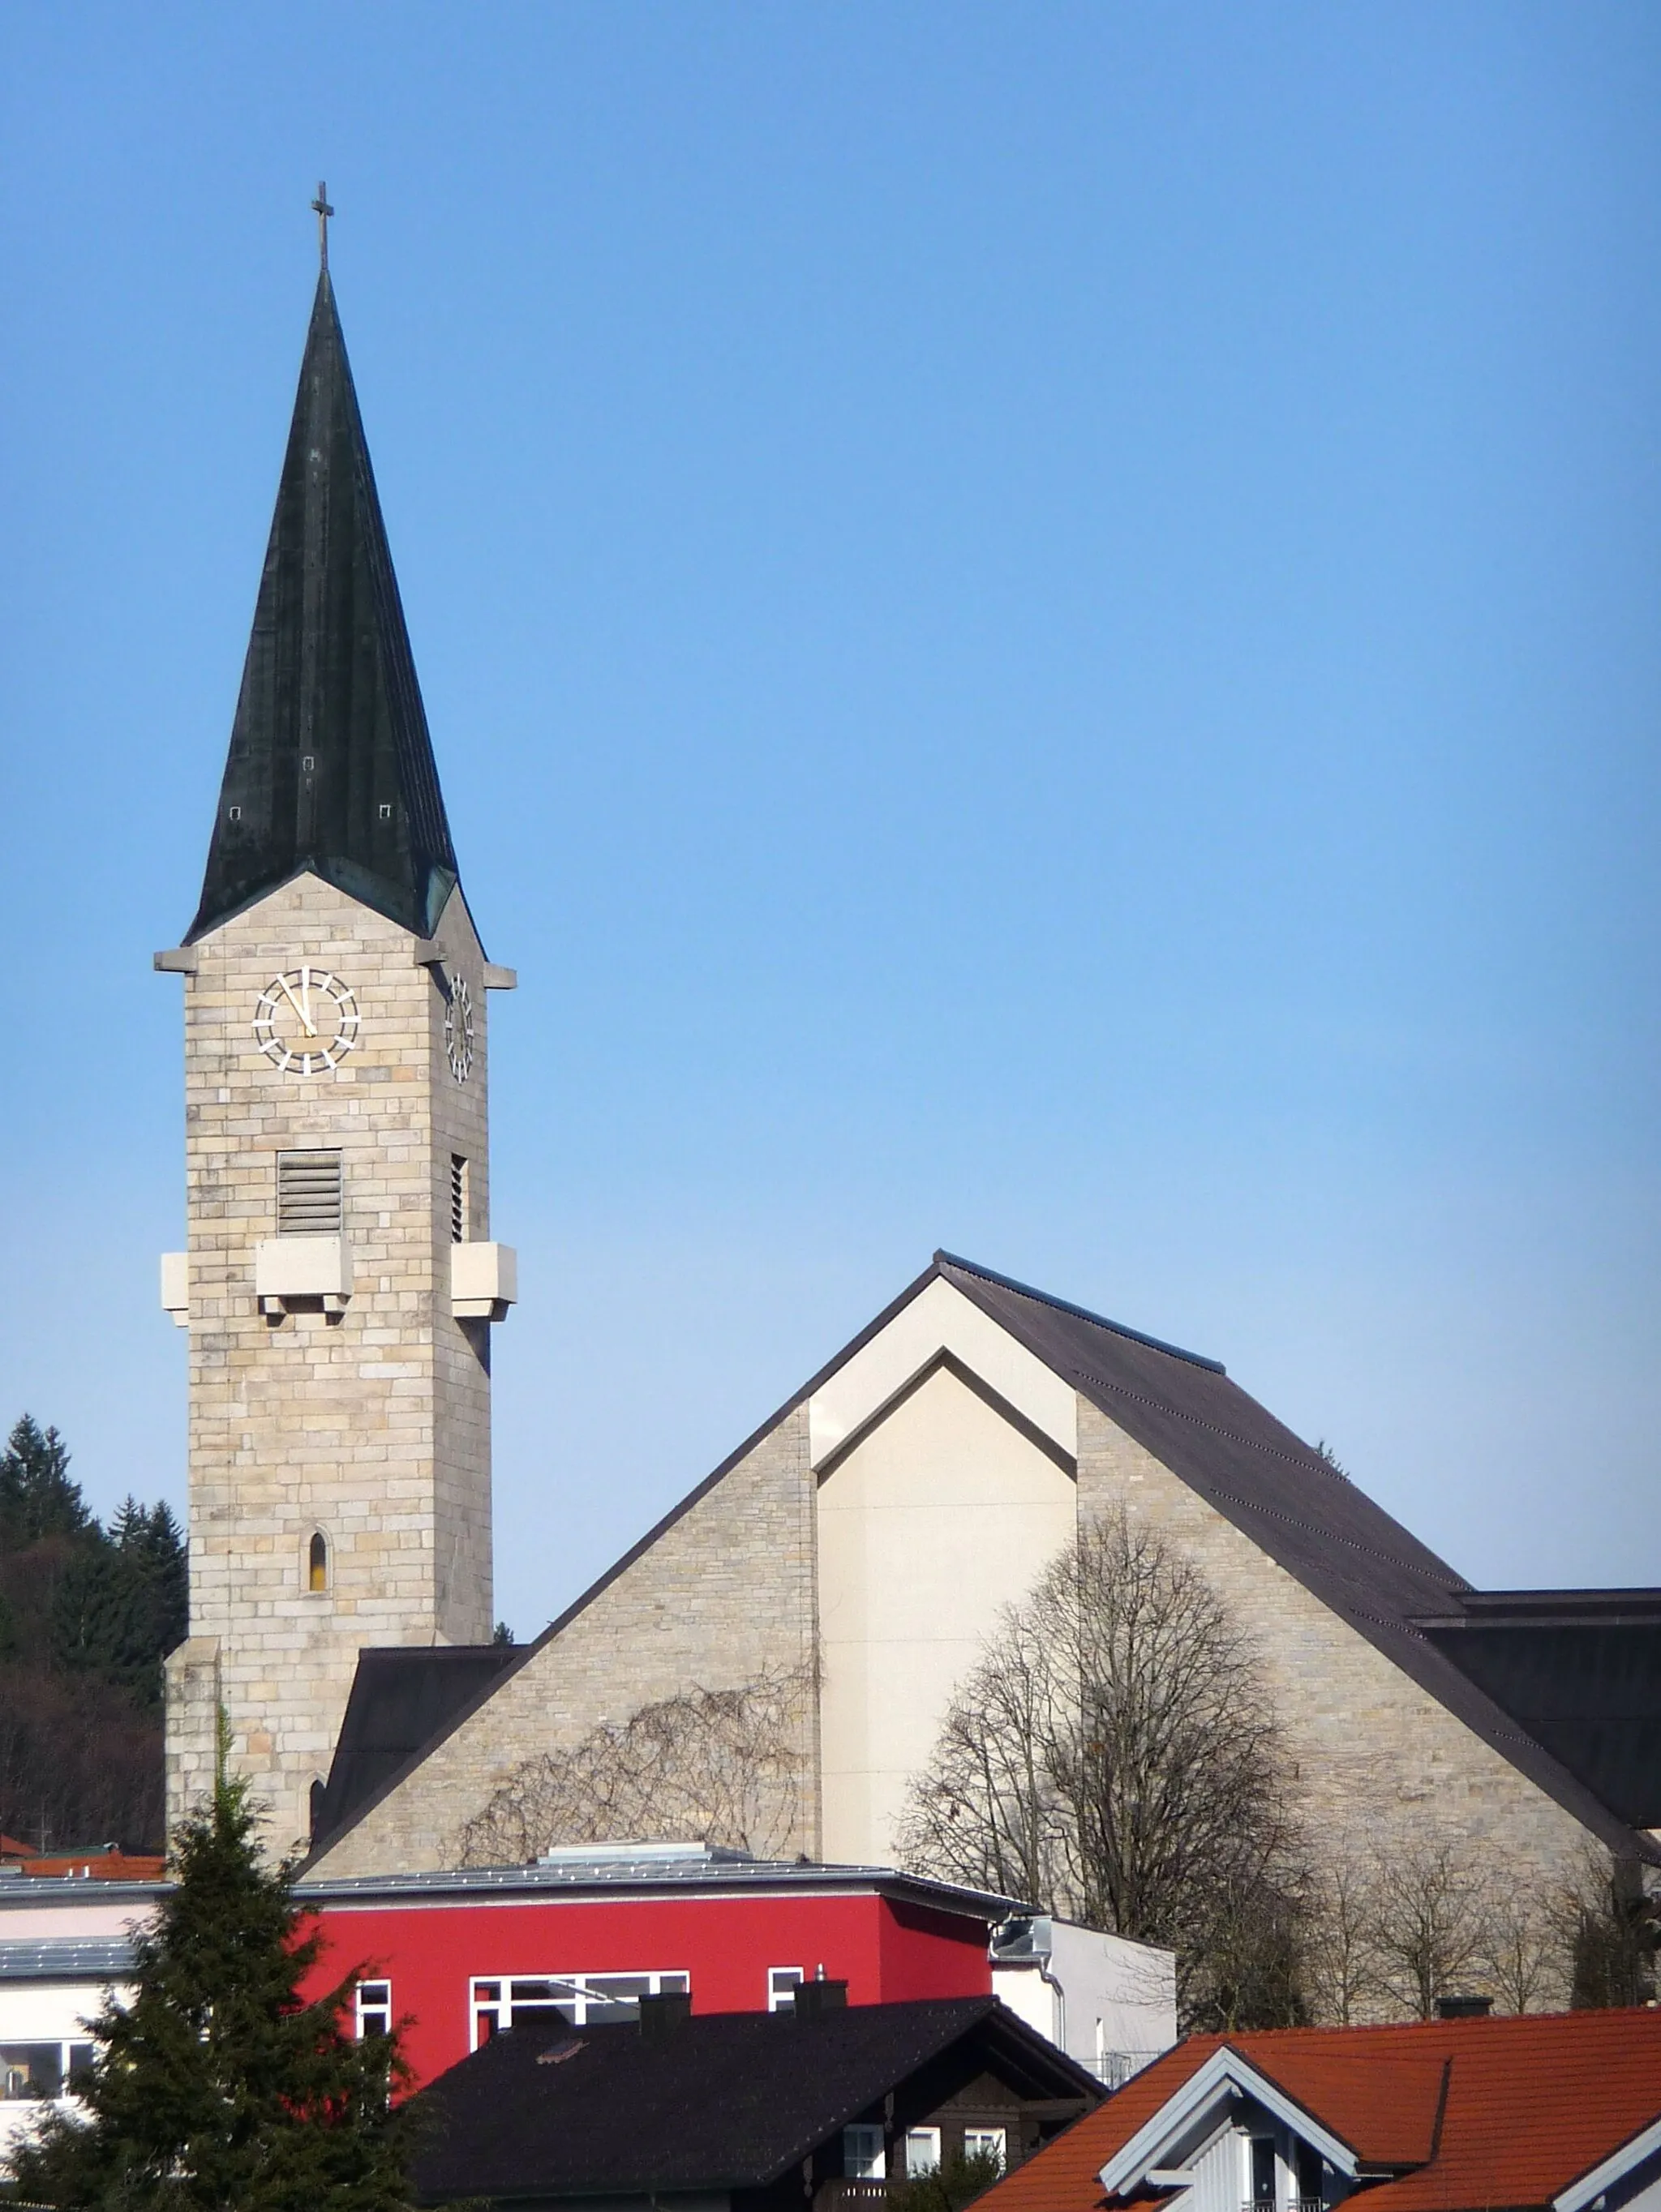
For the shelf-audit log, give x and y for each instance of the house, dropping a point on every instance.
(1109, 2003)
(66, 1945)
(50, 1986)
(457, 1955)
(1555, 2112)
(96, 1863)
(816, 2105)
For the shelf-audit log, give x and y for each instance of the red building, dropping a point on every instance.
(585, 1934)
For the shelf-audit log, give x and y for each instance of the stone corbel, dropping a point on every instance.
(483, 1281)
(288, 1270)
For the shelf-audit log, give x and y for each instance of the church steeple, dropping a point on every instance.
(330, 766)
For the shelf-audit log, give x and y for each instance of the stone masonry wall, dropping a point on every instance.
(726, 1592)
(372, 1427)
(1379, 1761)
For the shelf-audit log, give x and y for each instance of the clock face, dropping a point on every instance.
(306, 1022)
(459, 1028)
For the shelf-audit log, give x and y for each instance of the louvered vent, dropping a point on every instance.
(308, 1194)
(458, 1199)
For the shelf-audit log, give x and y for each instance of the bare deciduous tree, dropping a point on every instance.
(1526, 1959)
(1115, 1756)
(715, 1766)
(1343, 1975)
(1431, 1926)
(1610, 1926)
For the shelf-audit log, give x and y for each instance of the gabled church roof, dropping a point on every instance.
(330, 767)
(1296, 1506)
(1287, 1497)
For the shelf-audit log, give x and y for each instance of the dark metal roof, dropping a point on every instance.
(330, 766)
(65, 1959)
(401, 1698)
(1312, 1521)
(1581, 1671)
(723, 2100)
(1309, 1519)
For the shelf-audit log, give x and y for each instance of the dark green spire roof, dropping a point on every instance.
(331, 764)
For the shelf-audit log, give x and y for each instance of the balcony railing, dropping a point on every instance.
(850, 2196)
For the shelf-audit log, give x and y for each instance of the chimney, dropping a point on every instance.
(660, 2016)
(814, 1999)
(1463, 2007)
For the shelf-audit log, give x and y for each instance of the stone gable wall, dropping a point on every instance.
(726, 1592)
(1379, 1760)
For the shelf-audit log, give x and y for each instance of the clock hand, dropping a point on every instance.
(305, 998)
(288, 992)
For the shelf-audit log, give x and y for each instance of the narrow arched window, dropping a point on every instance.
(316, 1567)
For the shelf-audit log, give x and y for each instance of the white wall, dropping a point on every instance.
(939, 1515)
(42, 2012)
(1121, 1996)
(1097, 1996)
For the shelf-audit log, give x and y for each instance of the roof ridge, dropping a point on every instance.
(1082, 1313)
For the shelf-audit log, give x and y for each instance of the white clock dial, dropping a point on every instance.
(459, 1028)
(307, 1021)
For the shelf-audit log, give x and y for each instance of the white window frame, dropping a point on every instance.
(782, 1982)
(863, 2152)
(372, 2005)
(1250, 2137)
(987, 2142)
(580, 1997)
(922, 2152)
(66, 2046)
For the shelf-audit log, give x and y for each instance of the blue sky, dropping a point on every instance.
(1042, 628)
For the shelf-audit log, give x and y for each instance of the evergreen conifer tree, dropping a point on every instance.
(219, 2089)
(123, 1601)
(37, 1497)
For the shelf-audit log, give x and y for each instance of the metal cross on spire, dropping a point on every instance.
(322, 210)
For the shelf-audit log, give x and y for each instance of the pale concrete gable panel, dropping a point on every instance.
(939, 1319)
(942, 1512)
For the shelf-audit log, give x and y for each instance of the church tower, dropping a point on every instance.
(340, 1284)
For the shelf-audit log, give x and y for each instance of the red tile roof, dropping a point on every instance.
(89, 1866)
(1530, 2105)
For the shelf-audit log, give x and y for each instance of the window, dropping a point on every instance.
(861, 2154)
(985, 2142)
(922, 2151)
(782, 1982)
(374, 2008)
(38, 2071)
(1262, 2170)
(317, 1562)
(585, 2000)
(458, 1199)
(308, 1194)
(1311, 2177)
